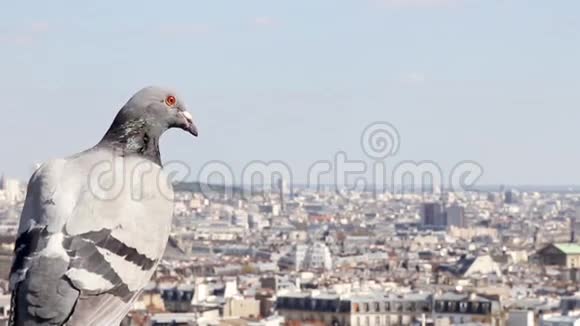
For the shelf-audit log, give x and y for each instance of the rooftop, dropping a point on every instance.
(568, 248)
(561, 319)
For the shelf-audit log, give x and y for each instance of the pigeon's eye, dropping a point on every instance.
(170, 100)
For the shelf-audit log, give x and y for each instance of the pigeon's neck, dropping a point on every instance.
(134, 138)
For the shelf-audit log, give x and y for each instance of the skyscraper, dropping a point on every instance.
(433, 215)
(575, 225)
(436, 215)
(456, 216)
(281, 186)
(511, 197)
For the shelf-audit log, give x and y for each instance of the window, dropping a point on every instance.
(451, 306)
(475, 306)
(398, 306)
(485, 308)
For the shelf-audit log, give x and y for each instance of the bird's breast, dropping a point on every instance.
(130, 196)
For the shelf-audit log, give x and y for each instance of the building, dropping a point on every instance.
(560, 254)
(455, 216)
(271, 209)
(242, 308)
(210, 315)
(511, 197)
(281, 188)
(523, 317)
(433, 215)
(470, 266)
(277, 283)
(269, 321)
(12, 190)
(560, 321)
(461, 308)
(357, 310)
(570, 305)
(178, 299)
(376, 309)
(437, 216)
(356, 243)
(575, 225)
(314, 256)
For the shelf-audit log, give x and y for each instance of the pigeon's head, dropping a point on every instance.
(160, 109)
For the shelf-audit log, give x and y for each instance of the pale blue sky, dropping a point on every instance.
(495, 81)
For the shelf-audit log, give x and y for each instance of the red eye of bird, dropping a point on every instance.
(170, 100)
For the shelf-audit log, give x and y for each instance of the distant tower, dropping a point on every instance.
(574, 224)
(2, 178)
(444, 198)
(231, 289)
(511, 197)
(455, 216)
(281, 186)
(573, 229)
(433, 215)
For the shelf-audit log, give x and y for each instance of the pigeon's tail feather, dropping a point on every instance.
(104, 309)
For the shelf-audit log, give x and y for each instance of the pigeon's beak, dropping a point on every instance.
(191, 128)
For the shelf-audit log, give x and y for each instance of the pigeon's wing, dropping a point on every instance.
(118, 234)
(40, 294)
(84, 253)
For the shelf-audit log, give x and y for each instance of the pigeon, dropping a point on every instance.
(94, 225)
